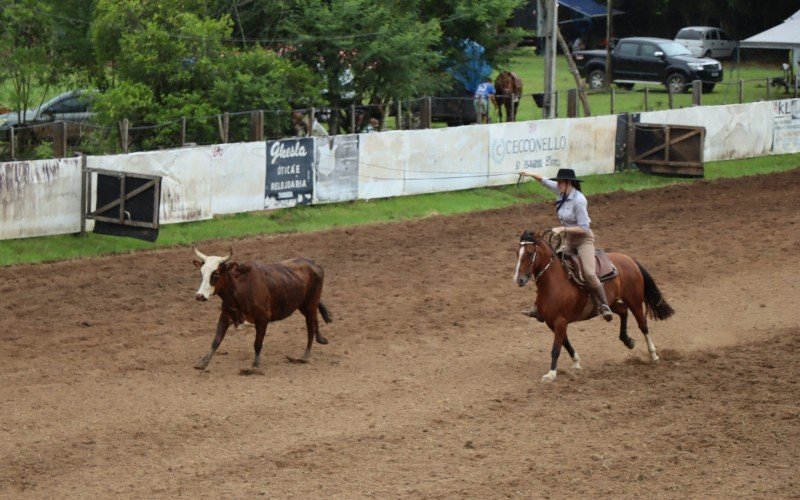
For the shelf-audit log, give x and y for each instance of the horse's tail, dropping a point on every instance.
(657, 307)
(326, 314)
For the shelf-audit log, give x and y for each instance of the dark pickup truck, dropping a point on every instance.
(648, 60)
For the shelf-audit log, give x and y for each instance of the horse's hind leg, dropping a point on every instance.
(622, 310)
(576, 360)
(641, 319)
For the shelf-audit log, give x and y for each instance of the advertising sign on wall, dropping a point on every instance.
(787, 126)
(290, 173)
(539, 145)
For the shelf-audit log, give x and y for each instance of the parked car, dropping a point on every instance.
(649, 60)
(73, 107)
(705, 41)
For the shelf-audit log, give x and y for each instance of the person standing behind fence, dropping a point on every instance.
(300, 126)
(483, 95)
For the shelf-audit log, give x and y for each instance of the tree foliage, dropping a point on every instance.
(168, 60)
(27, 59)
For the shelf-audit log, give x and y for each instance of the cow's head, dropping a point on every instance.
(209, 272)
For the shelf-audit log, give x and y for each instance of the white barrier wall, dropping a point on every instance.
(186, 179)
(337, 169)
(586, 145)
(786, 119)
(382, 160)
(238, 176)
(446, 159)
(732, 131)
(40, 198)
(43, 197)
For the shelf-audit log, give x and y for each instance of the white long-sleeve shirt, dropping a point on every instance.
(573, 212)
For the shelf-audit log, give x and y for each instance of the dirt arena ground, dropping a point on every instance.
(430, 384)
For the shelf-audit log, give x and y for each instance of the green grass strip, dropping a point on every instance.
(320, 217)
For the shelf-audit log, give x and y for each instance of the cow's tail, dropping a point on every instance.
(657, 307)
(326, 314)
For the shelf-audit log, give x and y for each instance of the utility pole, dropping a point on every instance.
(609, 36)
(551, 45)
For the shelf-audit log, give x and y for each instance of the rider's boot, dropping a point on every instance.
(534, 313)
(599, 296)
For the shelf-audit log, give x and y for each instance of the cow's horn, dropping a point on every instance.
(230, 254)
(199, 254)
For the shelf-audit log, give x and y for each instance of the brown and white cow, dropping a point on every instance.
(261, 293)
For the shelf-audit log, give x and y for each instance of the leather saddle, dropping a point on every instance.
(605, 268)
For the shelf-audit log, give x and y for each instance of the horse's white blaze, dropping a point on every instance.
(209, 266)
(651, 347)
(519, 263)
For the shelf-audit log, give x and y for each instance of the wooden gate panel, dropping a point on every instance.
(675, 150)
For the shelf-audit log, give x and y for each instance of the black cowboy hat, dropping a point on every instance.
(566, 174)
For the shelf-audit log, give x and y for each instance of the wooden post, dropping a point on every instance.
(183, 131)
(257, 125)
(311, 121)
(59, 139)
(84, 195)
(769, 82)
(697, 93)
(428, 112)
(671, 97)
(223, 121)
(572, 103)
(609, 36)
(123, 134)
(13, 142)
(555, 103)
(647, 98)
(630, 143)
(795, 86)
(741, 91)
(353, 118)
(613, 95)
(399, 115)
(575, 74)
(410, 114)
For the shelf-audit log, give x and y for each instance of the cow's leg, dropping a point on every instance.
(222, 327)
(261, 331)
(312, 325)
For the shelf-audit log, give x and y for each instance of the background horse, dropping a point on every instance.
(560, 302)
(508, 87)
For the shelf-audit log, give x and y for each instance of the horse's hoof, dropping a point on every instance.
(549, 376)
(654, 357)
(629, 343)
(576, 366)
(200, 365)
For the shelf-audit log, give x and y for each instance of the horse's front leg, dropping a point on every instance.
(559, 335)
(576, 359)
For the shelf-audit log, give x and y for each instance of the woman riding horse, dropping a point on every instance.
(571, 208)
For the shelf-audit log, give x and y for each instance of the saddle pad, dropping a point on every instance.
(605, 268)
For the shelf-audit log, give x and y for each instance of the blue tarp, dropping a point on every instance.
(587, 8)
(473, 69)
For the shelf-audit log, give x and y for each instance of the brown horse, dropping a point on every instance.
(508, 88)
(560, 302)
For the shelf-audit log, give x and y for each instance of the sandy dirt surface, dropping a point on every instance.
(430, 384)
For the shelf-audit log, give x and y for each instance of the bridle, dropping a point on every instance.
(538, 275)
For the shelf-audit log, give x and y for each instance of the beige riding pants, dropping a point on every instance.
(583, 245)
